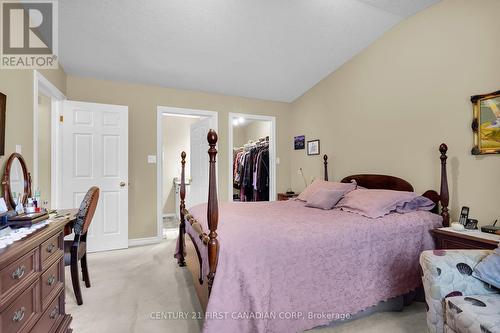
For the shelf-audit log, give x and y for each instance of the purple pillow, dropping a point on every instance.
(323, 184)
(324, 199)
(377, 203)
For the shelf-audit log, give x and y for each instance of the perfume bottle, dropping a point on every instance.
(19, 205)
(30, 206)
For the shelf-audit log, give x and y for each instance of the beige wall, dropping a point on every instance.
(18, 86)
(176, 138)
(254, 131)
(388, 109)
(142, 101)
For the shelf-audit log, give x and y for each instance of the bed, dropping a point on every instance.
(284, 267)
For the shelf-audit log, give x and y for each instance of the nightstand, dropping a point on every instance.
(447, 238)
(287, 196)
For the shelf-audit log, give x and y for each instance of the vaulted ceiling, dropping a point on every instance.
(268, 49)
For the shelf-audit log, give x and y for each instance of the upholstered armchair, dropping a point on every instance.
(457, 301)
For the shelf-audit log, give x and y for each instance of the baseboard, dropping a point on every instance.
(171, 233)
(144, 241)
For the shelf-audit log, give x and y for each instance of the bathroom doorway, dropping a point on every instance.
(181, 130)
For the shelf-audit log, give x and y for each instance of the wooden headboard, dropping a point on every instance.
(373, 181)
(384, 182)
(381, 182)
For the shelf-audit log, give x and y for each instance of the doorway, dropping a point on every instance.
(252, 138)
(181, 130)
(47, 104)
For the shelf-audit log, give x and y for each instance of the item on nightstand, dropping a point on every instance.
(464, 215)
(287, 196)
(471, 224)
(457, 226)
(491, 229)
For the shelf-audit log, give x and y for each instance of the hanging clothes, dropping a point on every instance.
(251, 172)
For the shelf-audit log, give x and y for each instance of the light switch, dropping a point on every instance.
(277, 160)
(152, 159)
(19, 149)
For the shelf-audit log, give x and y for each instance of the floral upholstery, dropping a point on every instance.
(473, 314)
(86, 211)
(448, 274)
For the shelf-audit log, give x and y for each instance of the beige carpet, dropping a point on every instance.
(130, 286)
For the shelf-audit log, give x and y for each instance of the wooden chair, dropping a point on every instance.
(76, 250)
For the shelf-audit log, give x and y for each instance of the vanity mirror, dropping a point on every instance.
(16, 181)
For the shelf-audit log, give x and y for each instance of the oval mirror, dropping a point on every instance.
(16, 181)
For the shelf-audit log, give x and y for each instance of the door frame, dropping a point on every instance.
(42, 85)
(272, 152)
(161, 110)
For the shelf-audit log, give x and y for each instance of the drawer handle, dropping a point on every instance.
(50, 248)
(51, 280)
(18, 273)
(18, 315)
(54, 312)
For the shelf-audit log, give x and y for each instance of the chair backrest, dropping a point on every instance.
(86, 211)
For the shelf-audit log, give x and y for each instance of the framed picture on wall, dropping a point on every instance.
(313, 147)
(3, 105)
(486, 123)
(299, 142)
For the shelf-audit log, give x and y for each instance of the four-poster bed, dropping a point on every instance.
(236, 221)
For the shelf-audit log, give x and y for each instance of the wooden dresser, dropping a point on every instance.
(32, 283)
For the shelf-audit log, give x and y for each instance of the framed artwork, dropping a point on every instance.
(313, 147)
(3, 105)
(486, 123)
(299, 142)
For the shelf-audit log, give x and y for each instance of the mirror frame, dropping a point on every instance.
(9, 200)
(476, 123)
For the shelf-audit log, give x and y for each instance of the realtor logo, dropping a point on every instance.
(29, 37)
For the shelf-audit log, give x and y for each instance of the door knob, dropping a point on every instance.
(122, 184)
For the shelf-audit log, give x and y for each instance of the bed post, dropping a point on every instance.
(182, 226)
(325, 162)
(212, 211)
(444, 195)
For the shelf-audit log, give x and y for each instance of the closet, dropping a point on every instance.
(251, 171)
(250, 160)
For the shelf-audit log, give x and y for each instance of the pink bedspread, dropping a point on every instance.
(280, 260)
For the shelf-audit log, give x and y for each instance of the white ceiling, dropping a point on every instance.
(269, 49)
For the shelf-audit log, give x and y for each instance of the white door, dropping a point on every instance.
(199, 161)
(95, 153)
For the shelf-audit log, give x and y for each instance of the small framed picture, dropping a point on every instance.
(299, 142)
(313, 147)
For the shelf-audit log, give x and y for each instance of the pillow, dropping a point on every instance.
(324, 199)
(488, 270)
(377, 203)
(323, 184)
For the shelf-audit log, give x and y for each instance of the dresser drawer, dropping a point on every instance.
(21, 313)
(50, 248)
(51, 281)
(51, 318)
(16, 273)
